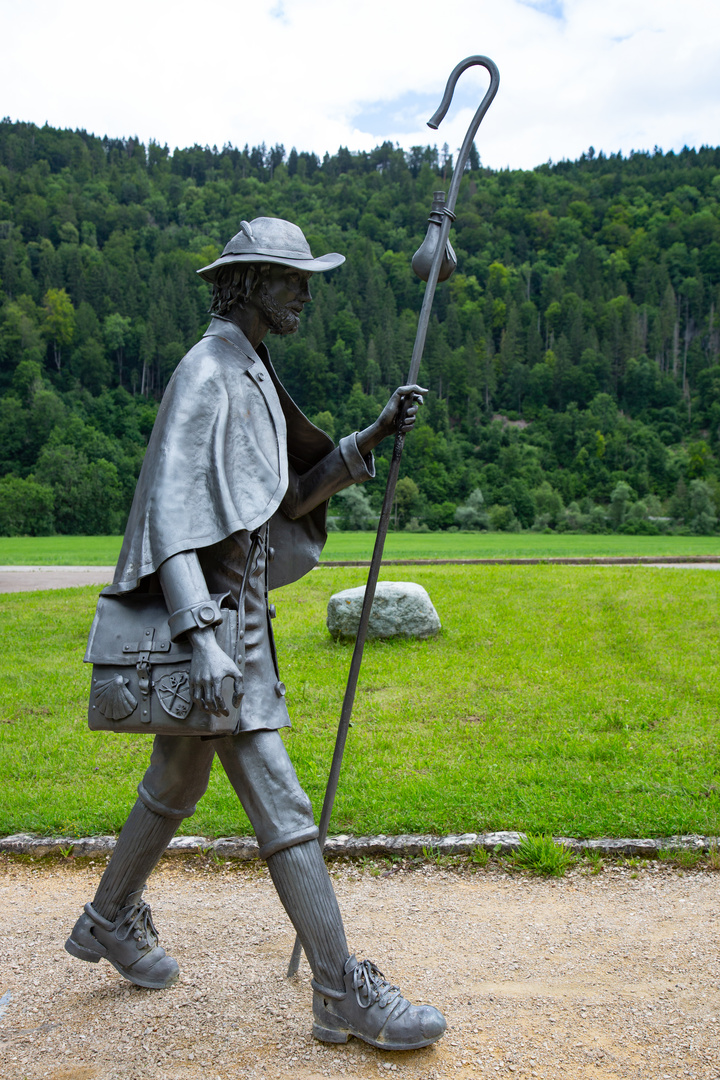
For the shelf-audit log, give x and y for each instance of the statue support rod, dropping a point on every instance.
(433, 262)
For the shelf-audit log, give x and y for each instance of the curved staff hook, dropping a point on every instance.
(435, 120)
(441, 210)
(443, 217)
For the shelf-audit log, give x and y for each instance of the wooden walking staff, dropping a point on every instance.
(434, 261)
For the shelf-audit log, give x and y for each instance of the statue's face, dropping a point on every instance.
(281, 297)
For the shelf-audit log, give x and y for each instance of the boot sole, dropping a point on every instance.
(139, 981)
(81, 953)
(334, 1035)
(323, 1034)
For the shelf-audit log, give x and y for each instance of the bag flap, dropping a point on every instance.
(127, 625)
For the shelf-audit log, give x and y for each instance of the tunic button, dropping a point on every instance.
(280, 689)
(271, 553)
(261, 376)
(272, 611)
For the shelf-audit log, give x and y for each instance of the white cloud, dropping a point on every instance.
(617, 74)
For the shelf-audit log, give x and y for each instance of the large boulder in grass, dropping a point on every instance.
(400, 609)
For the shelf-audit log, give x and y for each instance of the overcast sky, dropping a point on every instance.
(317, 74)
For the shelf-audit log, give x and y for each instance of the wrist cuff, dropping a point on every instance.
(360, 468)
(195, 617)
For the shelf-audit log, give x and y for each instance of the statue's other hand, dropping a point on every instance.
(401, 409)
(398, 415)
(208, 667)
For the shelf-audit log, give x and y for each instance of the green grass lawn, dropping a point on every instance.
(103, 550)
(474, 545)
(579, 701)
(59, 550)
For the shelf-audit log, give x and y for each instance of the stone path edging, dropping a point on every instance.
(406, 844)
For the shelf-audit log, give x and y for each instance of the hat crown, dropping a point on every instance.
(273, 237)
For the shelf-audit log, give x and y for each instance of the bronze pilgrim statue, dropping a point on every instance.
(231, 502)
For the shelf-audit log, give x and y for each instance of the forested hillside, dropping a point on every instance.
(573, 359)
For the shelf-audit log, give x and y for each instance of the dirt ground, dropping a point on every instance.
(612, 975)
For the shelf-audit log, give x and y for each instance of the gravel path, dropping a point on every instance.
(30, 578)
(613, 975)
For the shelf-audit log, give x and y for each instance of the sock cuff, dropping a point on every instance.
(160, 808)
(283, 842)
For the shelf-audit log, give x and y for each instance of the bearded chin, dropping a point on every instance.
(282, 320)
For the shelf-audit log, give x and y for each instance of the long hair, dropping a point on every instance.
(235, 284)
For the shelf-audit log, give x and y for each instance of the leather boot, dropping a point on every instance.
(374, 1010)
(130, 943)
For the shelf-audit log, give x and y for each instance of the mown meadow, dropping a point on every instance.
(103, 550)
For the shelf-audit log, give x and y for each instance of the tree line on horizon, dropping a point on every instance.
(573, 359)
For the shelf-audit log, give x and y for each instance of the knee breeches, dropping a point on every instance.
(260, 771)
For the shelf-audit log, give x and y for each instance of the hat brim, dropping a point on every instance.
(313, 266)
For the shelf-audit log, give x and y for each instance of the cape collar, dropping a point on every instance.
(224, 328)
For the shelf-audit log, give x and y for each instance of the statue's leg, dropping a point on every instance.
(300, 876)
(350, 998)
(263, 776)
(175, 780)
(118, 924)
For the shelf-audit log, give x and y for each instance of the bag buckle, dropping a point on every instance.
(145, 647)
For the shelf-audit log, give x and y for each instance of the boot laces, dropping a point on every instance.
(138, 922)
(370, 986)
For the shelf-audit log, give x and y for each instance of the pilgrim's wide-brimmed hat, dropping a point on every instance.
(271, 240)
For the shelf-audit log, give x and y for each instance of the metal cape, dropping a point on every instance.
(217, 463)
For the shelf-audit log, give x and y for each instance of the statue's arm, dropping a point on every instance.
(193, 613)
(351, 461)
(343, 466)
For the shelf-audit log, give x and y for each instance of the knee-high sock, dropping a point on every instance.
(300, 876)
(143, 839)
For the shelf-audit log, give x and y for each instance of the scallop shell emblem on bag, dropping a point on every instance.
(113, 699)
(173, 693)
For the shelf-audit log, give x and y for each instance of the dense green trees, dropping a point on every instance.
(573, 360)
